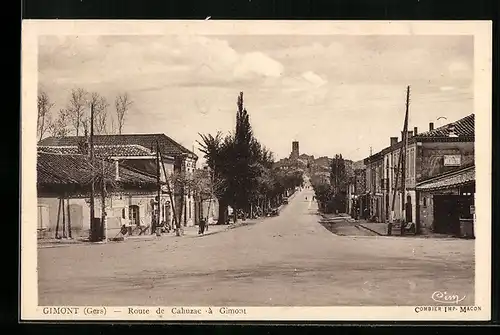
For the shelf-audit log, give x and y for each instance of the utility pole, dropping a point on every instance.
(405, 160)
(69, 219)
(104, 228)
(156, 219)
(93, 230)
(401, 161)
(168, 189)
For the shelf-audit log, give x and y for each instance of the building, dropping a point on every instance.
(172, 162)
(357, 189)
(64, 188)
(429, 154)
(447, 201)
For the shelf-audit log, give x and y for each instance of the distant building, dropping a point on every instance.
(295, 150)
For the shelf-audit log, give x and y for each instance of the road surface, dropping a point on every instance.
(286, 260)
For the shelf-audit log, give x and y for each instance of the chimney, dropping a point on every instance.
(394, 140)
(431, 126)
(117, 170)
(415, 131)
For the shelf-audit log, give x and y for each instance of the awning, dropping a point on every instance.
(456, 179)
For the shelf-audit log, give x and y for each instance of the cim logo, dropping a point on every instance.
(446, 298)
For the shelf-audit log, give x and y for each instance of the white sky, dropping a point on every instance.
(334, 94)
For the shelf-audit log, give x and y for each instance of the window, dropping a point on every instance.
(425, 202)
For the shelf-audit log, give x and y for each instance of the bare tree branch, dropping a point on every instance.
(76, 109)
(100, 105)
(122, 105)
(44, 121)
(59, 127)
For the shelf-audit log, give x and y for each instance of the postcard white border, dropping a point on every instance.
(481, 30)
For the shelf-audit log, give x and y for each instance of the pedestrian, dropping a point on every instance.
(202, 226)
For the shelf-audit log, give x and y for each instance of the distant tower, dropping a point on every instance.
(295, 149)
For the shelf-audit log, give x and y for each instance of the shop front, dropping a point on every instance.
(446, 204)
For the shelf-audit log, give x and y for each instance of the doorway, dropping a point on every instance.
(133, 215)
(448, 209)
(408, 209)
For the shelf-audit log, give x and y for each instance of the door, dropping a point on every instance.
(43, 217)
(408, 209)
(76, 212)
(133, 215)
(447, 214)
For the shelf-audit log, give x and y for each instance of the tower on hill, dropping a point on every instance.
(295, 150)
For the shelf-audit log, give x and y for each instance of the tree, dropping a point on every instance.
(245, 157)
(216, 149)
(59, 127)
(100, 105)
(44, 121)
(242, 169)
(122, 105)
(339, 181)
(76, 110)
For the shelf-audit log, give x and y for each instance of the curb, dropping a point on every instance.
(371, 230)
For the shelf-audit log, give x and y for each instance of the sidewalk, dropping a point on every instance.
(188, 232)
(380, 228)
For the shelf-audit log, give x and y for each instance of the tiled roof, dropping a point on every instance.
(127, 150)
(59, 169)
(463, 127)
(457, 178)
(168, 146)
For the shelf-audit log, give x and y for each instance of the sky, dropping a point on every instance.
(335, 94)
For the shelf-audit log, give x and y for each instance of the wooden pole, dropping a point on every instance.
(403, 180)
(58, 218)
(156, 213)
(401, 161)
(169, 190)
(63, 219)
(93, 230)
(103, 235)
(69, 219)
(395, 187)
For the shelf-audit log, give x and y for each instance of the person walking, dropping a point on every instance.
(202, 226)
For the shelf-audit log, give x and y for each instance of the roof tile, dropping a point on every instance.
(167, 145)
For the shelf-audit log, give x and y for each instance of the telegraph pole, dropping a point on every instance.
(104, 229)
(169, 190)
(158, 193)
(403, 180)
(402, 171)
(93, 230)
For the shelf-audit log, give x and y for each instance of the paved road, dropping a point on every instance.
(286, 260)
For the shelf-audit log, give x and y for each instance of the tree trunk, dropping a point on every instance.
(178, 225)
(222, 211)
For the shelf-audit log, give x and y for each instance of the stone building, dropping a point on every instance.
(429, 154)
(138, 152)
